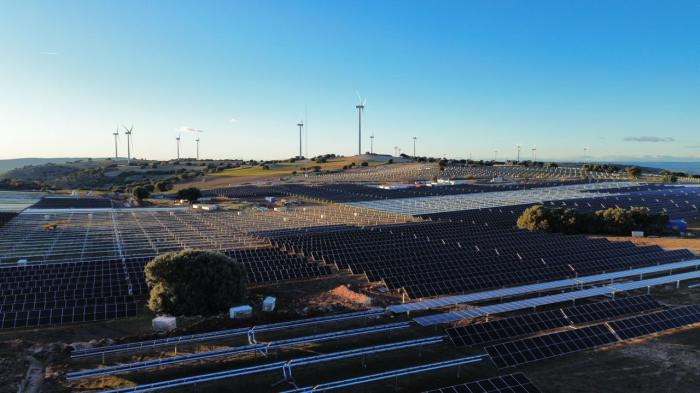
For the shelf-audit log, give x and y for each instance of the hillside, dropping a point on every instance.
(14, 163)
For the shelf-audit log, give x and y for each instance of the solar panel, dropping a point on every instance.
(507, 328)
(511, 383)
(552, 299)
(230, 351)
(540, 287)
(656, 322)
(528, 350)
(610, 309)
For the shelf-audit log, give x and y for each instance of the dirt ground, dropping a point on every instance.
(668, 243)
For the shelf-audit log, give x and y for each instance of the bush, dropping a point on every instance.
(163, 186)
(633, 171)
(191, 194)
(612, 221)
(364, 163)
(192, 282)
(140, 193)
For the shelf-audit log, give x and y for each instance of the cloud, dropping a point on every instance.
(49, 53)
(654, 139)
(190, 129)
(693, 147)
(233, 120)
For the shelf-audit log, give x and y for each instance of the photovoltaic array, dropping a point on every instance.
(503, 329)
(656, 322)
(522, 325)
(610, 309)
(532, 349)
(511, 383)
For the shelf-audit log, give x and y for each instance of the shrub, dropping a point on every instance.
(140, 193)
(364, 163)
(163, 186)
(612, 221)
(193, 282)
(191, 194)
(633, 171)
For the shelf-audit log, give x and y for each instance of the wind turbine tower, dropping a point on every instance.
(518, 146)
(197, 140)
(414, 147)
(360, 108)
(371, 144)
(116, 151)
(128, 143)
(178, 146)
(301, 127)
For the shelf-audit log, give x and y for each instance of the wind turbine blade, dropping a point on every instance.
(359, 98)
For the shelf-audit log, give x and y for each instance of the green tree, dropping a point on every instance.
(193, 282)
(140, 193)
(535, 218)
(633, 171)
(191, 194)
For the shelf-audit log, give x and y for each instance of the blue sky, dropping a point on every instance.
(465, 77)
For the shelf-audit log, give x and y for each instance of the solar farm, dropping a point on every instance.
(458, 298)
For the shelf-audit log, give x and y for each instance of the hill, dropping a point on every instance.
(14, 163)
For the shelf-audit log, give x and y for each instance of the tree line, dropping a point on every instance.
(612, 221)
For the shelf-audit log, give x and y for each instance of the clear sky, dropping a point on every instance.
(622, 78)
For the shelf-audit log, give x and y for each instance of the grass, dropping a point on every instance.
(286, 168)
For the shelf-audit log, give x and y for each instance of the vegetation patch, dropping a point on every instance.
(193, 282)
(612, 221)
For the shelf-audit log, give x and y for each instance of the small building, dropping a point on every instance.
(678, 226)
(164, 323)
(240, 312)
(269, 303)
(637, 233)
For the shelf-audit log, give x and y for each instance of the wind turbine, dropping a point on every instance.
(178, 145)
(197, 140)
(301, 126)
(495, 155)
(534, 155)
(518, 146)
(360, 108)
(116, 151)
(371, 143)
(128, 131)
(414, 147)
(585, 150)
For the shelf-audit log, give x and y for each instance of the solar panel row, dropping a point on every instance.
(511, 383)
(656, 322)
(521, 325)
(528, 350)
(531, 349)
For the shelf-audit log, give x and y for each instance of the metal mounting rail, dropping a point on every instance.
(219, 334)
(388, 374)
(179, 382)
(264, 348)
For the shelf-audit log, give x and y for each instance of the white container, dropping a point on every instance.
(164, 324)
(637, 233)
(23, 261)
(269, 303)
(240, 312)
(281, 209)
(271, 199)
